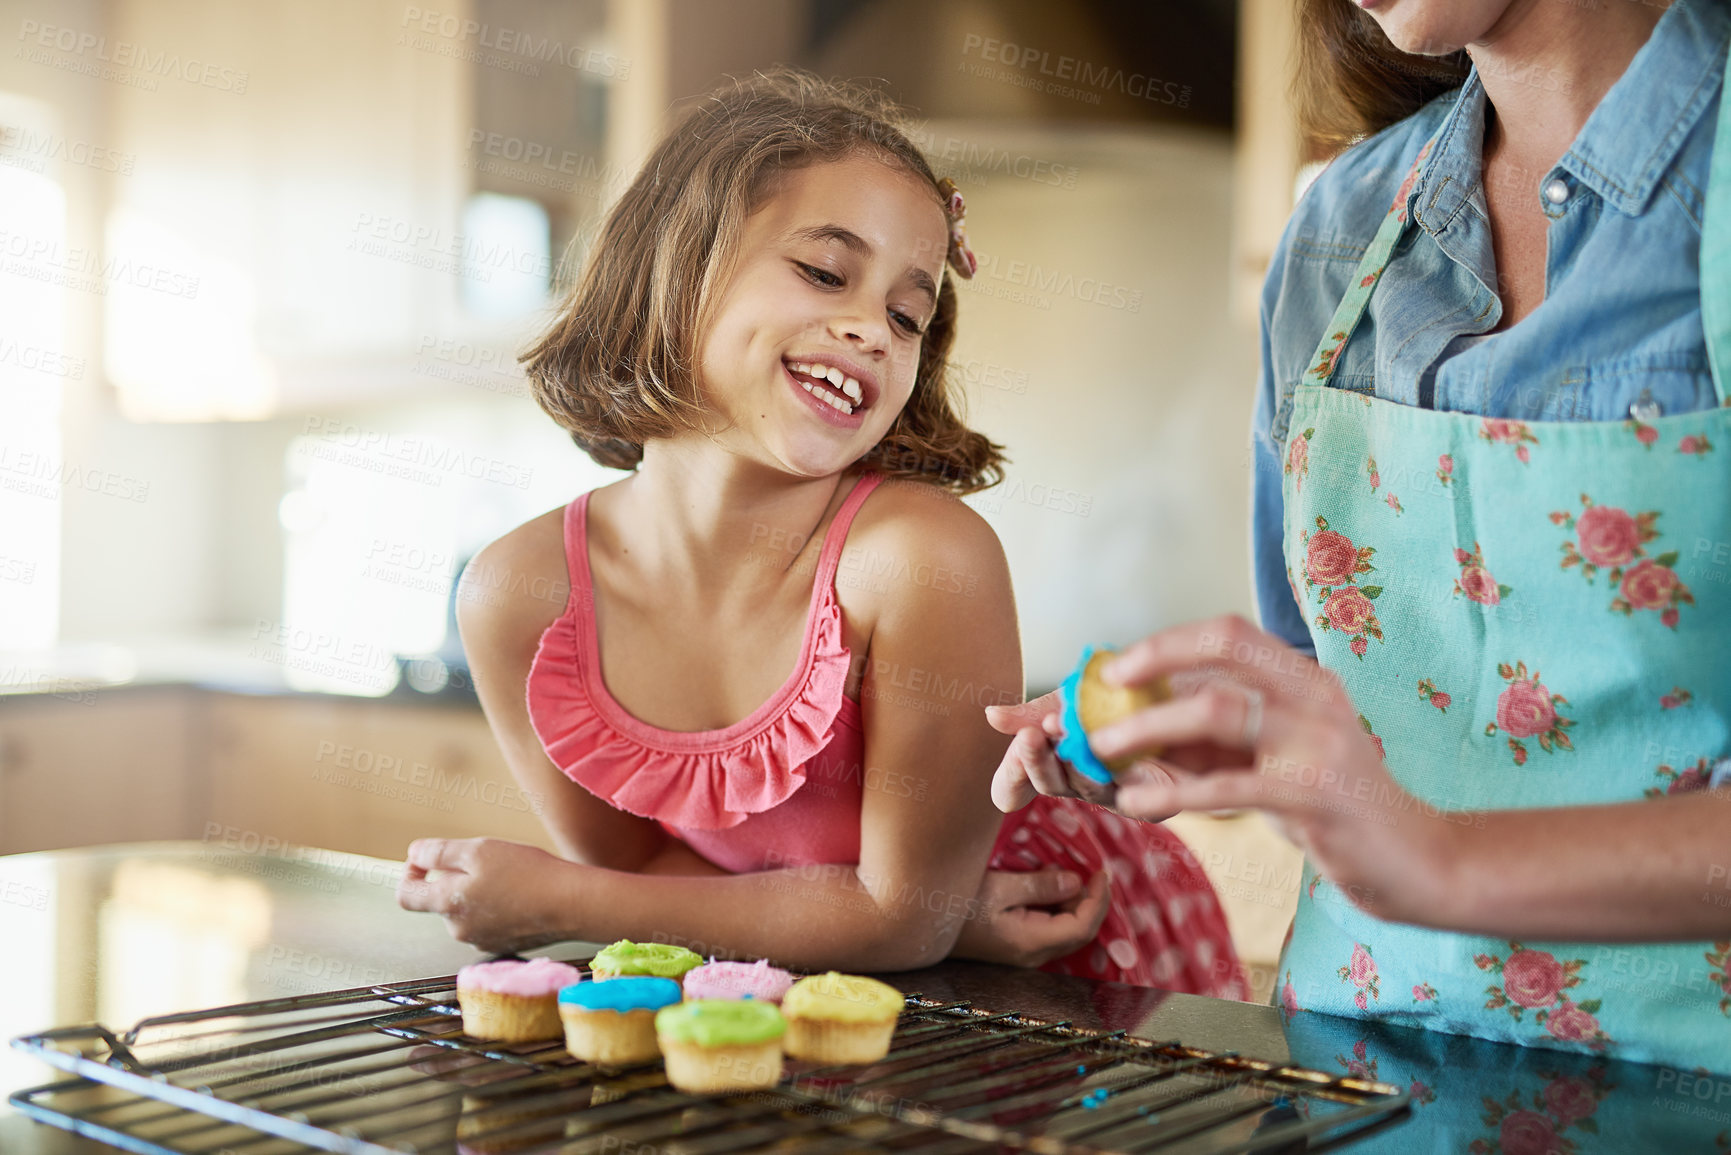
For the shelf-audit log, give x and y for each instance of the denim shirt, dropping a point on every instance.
(1619, 331)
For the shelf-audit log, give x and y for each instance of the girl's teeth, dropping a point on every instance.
(832, 401)
(852, 389)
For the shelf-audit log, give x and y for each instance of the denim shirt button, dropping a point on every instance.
(1557, 190)
(1646, 409)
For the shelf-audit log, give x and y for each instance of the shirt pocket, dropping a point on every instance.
(1675, 382)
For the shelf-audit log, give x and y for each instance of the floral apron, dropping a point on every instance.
(1526, 614)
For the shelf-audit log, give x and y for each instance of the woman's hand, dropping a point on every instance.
(492, 894)
(1253, 723)
(1027, 918)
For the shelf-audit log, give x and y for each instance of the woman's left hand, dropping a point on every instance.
(492, 894)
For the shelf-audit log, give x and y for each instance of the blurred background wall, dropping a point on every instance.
(265, 269)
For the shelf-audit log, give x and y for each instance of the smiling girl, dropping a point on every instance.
(760, 337)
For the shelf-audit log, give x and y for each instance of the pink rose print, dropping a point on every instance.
(1361, 1065)
(1427, 690)
(1528, 709)
(1569, 1099)
(1375, 477)
(1719, 972)
(1424, 993)
(1680, 781)
(1325, 363)
(1365, 724)
(1394, 503)
(1677, 697)
(1332, 563)
(1445, 468)
(1536, 1124)
(1398, 208)
(1644, 433)
(1652, 584)
(1348, 610)
(1695, 443)
(1289, 998)
(1298, 458)
(1330, 559)
(1528, 1133)
(1421, 1095)
(1516, 433)
(1535, 980)
(1476, 581)
(1609, 536)
(1361, 973)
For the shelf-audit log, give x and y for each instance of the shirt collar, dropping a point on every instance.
(1629, 141)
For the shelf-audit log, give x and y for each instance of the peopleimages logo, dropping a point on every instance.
(1065, 71)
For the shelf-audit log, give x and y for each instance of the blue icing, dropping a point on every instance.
(625, 993)
(1073, 746)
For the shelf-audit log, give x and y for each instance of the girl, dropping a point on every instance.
(760, 337)
(1491, 474)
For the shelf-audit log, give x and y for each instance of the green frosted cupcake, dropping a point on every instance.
(660, 959)
(721, 1044)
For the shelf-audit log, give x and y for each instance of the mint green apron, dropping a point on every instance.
(1526, 614)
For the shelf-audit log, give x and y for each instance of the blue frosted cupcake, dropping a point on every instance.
(614, 1022)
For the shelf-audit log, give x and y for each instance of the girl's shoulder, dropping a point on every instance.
(912, 537)
(516, 586)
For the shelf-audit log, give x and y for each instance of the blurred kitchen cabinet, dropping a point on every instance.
(362, 776)
(83, 767)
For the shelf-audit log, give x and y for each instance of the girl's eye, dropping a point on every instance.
(819, 276)
(908, 324)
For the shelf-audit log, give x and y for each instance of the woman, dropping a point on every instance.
(1491, 474)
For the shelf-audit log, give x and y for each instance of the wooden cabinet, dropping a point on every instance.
(363, 776)
(246, 772)
(83, 767)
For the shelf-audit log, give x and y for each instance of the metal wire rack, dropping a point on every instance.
(386, 1069)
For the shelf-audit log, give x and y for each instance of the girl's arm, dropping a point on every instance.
(510, 593)
(927, 825)
(1273, 730)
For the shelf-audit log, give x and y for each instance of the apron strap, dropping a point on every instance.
(1716, 252)
(1350, 311)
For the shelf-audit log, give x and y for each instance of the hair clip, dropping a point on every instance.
(961, 258)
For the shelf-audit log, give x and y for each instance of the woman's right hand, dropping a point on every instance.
(1031, 765)
(1029, 917)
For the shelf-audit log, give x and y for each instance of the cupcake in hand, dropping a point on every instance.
(512, 1001)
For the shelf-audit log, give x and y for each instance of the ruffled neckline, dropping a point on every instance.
(697, 780)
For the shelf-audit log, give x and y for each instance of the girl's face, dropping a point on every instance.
(1437, 27)
(814, 339)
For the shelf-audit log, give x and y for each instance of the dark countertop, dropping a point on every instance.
(114, 934)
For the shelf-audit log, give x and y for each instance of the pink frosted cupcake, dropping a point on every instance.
(737, 980)
(513, 1002)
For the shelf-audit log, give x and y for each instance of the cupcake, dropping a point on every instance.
(721, 1044)
(663, 960)
(836, 1018)
(737, 980)
(511, 1001)
(614, 1022)
(1089, 702)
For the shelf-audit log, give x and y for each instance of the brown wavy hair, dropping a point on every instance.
(617, 366)
(1352, 82)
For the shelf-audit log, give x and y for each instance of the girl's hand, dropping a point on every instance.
(1016, 925)
(492, 894)
(1031, 765)
(1256, 724)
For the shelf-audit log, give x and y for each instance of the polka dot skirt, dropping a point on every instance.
(1164, 927)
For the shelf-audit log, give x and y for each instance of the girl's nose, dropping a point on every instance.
(858, 327)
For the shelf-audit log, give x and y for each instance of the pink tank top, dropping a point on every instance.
(780, 788)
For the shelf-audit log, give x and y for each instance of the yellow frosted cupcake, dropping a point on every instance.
(721, 1044)
(660, 959)
(614, 1022)
(837, 1018)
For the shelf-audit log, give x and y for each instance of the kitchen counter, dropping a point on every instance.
(113, 934)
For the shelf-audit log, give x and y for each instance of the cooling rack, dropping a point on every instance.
(385, 1069)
